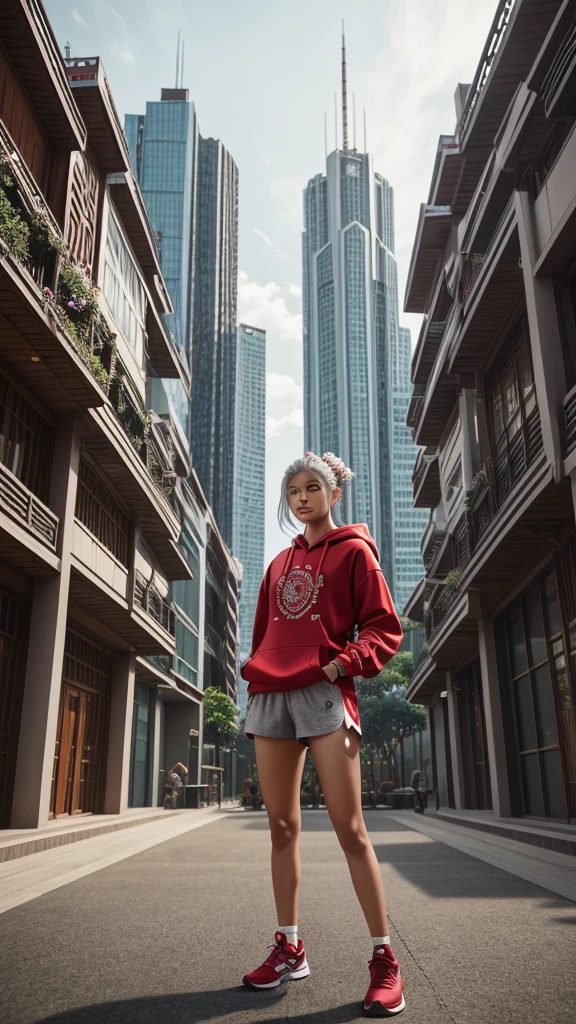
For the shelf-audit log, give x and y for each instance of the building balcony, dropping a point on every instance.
(127, 609)
(426, 479)
(148, 600)
(554, 210)
(118, 448)
(570, 422)
(491, 286)
(436, 548)
(35, 56)
(89, 86)
(452, 625)
(553, 75)
(429, 413)
(28, 528)
(515, 37)
(425, 682)
(426, 353)
(38, 337)
(432, 233)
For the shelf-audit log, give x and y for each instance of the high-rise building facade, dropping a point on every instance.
(356, 357)
(249, 459)
(190, 186)
(408, 522)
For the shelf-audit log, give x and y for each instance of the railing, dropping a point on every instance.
(480, 505)
(551, 150)
(423, 459)
(439, 611)
(431, 546)
(563, 63)
(26, 507)
(98, 511)
(570, 422)
(493, 44)
(472, 263)
(149, 599)
(415, 409)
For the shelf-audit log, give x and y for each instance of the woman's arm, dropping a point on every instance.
(380, 630)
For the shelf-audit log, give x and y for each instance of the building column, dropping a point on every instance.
(493, 713)
(42, 685)
(120, 733)
(545, 339)
(455, 742)
(467, 405)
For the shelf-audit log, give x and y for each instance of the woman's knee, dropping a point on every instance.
(283, 831)
(352, 836)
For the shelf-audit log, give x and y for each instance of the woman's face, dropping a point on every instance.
(308, 497)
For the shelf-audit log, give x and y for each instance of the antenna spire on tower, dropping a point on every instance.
(178, 59)
(344, 96)
(182, 67)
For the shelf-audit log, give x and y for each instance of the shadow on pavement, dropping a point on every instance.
(193, 1008)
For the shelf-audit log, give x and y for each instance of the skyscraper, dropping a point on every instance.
(408, 522)
(190, 186)
(356, 357)
(249, 459)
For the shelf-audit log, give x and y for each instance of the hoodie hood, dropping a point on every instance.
(356, 531)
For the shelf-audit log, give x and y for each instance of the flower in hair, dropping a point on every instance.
(338, 466)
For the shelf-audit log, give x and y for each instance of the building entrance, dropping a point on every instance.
(81, 743)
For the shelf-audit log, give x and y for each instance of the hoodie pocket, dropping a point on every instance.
(285, 667)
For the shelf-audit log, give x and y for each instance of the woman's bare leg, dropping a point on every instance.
(337, 760)
(280, 764)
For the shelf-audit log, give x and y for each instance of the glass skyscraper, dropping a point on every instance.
(249, 459)
(190, 187)
(356, 357)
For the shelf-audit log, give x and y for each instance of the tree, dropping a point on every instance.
(219, 723)
(386, 718)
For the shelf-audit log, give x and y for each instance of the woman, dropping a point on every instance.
(305, 654)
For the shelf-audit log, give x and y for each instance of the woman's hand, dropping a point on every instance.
(331, 670)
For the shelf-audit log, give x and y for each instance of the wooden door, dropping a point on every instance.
(70, 745)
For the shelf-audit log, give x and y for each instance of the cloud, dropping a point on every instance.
(123, 52)
(79, 19)
(266, 161)
(284, 397)
(431, 45)
(275, 308)
(268, 242)
(287, 195)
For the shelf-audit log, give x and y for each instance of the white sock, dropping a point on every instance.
(380, 940)
(291, 933)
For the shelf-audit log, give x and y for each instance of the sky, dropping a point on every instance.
(262, 73)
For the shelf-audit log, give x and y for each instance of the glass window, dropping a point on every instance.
(545, 707)
(533, 796)
(517, 641)
(554, 783)
(525, 714)
(123, 289)
(535, 624)
(551, 601)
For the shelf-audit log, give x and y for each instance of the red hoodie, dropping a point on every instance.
(311, 600)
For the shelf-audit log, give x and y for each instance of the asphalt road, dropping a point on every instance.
(165, 936)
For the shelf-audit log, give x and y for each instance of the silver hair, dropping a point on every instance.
(314, 464)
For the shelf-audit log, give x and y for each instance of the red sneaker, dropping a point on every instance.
(385, 996)
(285, 963)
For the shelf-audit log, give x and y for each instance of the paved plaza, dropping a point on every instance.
(164, 935)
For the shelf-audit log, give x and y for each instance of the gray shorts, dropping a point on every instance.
(295, 714)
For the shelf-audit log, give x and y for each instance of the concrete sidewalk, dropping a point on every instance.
(165, 935)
